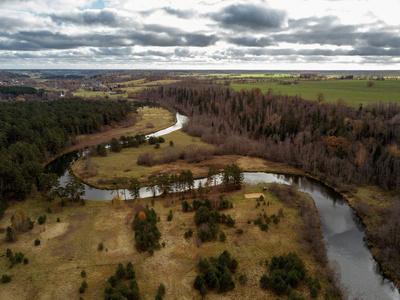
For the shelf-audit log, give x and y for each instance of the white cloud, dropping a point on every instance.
(205, 33)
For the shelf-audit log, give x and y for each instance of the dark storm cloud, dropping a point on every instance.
(200, 40)
(183, 14)
(183, 52)
(250, 16)
(88, 18)
(382, 39)
(323, 31)
(38, 40)
(45, 39)
(251, 42)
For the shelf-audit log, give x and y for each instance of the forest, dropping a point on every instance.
(19, 90)
(336, 143)
(33, 132)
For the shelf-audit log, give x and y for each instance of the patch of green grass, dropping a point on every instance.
(353, 92)
(90, 94)
(124, 164)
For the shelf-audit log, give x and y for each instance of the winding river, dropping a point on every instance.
(342, 230)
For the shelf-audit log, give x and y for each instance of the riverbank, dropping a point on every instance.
(71, 245)
(148, 120)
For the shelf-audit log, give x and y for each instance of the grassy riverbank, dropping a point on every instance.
(71, 245)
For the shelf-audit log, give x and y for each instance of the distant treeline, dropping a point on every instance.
(32, 132)
(7, 75)
(339, 144)
(62, 77)
(20, 90)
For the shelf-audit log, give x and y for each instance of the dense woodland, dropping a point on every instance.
(337, 143)
(12, 91)
(32, 132)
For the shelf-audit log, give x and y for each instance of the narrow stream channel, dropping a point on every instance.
(342, 230)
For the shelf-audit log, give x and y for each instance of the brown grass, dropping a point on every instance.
(160, 117)
(71, 245)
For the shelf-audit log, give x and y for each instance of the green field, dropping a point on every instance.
(353, 92)
(89, 94)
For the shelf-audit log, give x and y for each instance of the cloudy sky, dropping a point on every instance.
(201, 34)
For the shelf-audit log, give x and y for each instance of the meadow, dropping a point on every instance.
(353, 92)
(71, 245)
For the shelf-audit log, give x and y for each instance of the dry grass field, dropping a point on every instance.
(160, 118)
(70, 246)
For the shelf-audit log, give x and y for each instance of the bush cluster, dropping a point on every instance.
(160, 291)
(146, 231)
(216, 274)
(207, 217)
(122, 285)
(16, 258)
(286, 273)
(42, 219)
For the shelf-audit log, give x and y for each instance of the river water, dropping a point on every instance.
(342, 230)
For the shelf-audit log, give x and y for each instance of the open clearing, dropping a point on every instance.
(71, 245)
(158, 117)
(353, 92)
(117, 169)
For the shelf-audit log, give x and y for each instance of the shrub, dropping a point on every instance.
(10, 235)
(42, 219)
(8, 252)
(170, 216)
(5, 278)
(189, 233)
(18, 257)
(115, 145)
(161, 290)
(239, 231)
(243, 279)
(83, 287)
(264, 227)
(153, 140)
(120, 273)
(222, 237)
(58, 220)
(37, 242)
(101, 150)
(199, 282)
(113, 280)
(26, 261)
(130, 272)
(264, 281)
(230, 222)
(83, 273)
(186, 206)
(100, 247)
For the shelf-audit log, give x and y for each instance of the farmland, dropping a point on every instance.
(353, 92)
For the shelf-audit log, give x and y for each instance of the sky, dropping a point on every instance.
(201, 34)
